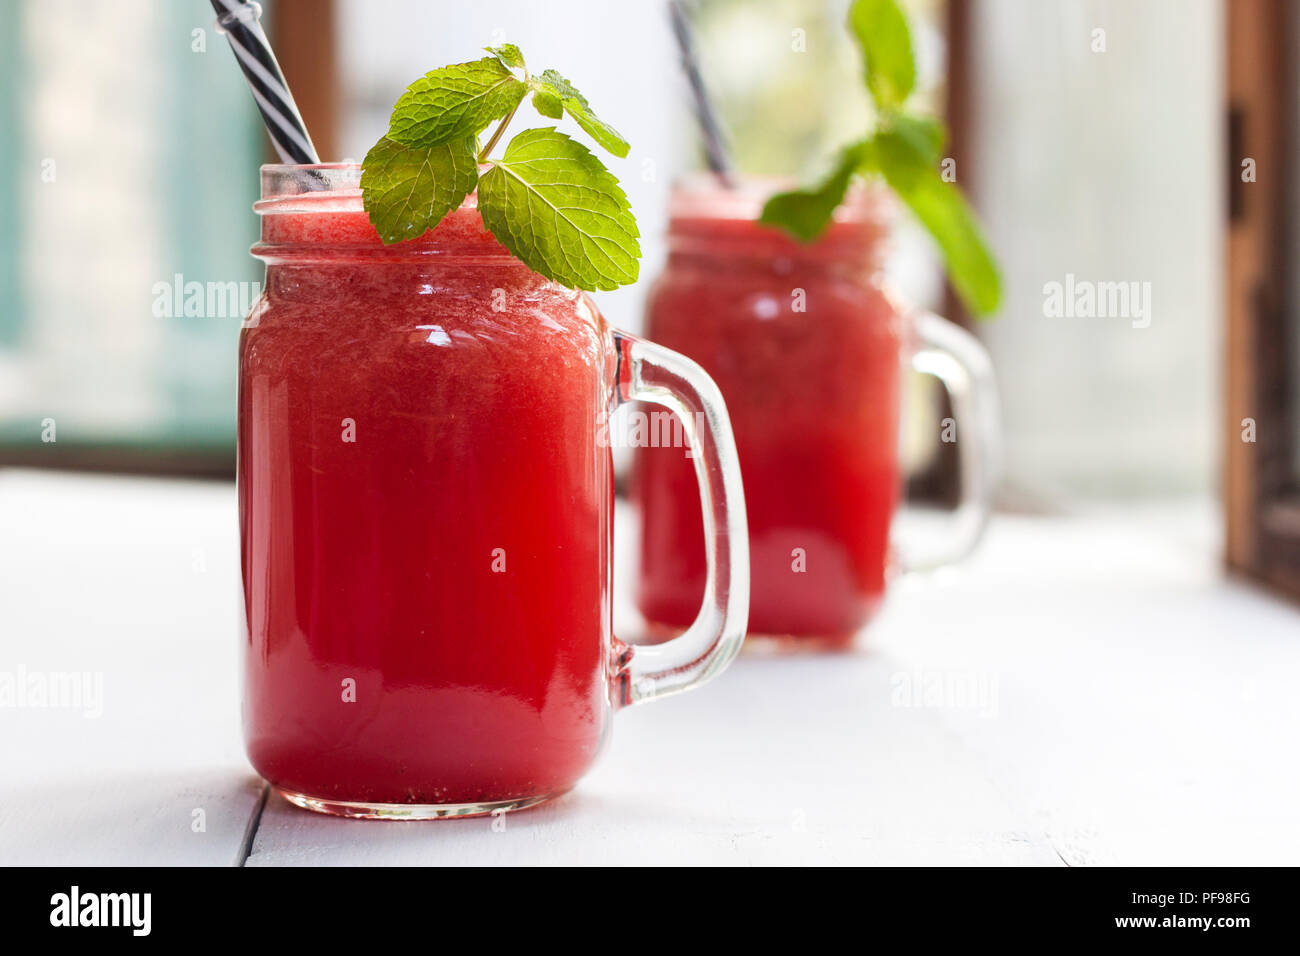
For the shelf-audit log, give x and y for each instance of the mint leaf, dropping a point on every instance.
(556, 207)
(948, 218)
(455, 102)
(408, 189)
(551, 87)
(882, 32)
(508, 54)
(805, 213)
(945, 214)
(924, 134)
(548, 103)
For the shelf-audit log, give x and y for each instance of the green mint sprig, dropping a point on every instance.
(548, 199)
(904, 149)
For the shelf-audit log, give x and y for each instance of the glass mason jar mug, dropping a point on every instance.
(426, 510)
(808, 349)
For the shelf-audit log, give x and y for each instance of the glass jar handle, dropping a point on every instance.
(956, 358)
(650, 373)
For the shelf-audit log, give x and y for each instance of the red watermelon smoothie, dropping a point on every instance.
(425, 517)
(806, 349)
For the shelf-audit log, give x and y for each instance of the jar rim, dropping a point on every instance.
(297, 199)
(284, 181)
(709, 220)
(704, 196)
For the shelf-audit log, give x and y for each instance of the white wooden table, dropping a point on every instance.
(1087, 690)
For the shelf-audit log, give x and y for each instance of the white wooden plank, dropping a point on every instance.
(133, 582)
(1129, 706)
(1145, 706)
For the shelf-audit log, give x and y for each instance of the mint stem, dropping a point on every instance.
(496, 134)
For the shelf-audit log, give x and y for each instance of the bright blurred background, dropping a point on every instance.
(130, 149)
(1141, 699)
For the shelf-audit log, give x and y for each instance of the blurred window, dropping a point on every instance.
(127, 175)
(1096, 159)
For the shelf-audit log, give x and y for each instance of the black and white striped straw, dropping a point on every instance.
(715, 149)
(239, 20)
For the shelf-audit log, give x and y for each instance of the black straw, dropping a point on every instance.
(715, 149)
(238, 20)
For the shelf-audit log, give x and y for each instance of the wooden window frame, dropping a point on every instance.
(1261, 497)
(304, 34)
(939, 483)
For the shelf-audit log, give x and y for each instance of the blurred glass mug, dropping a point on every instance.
(426, 515)
(808, 348)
